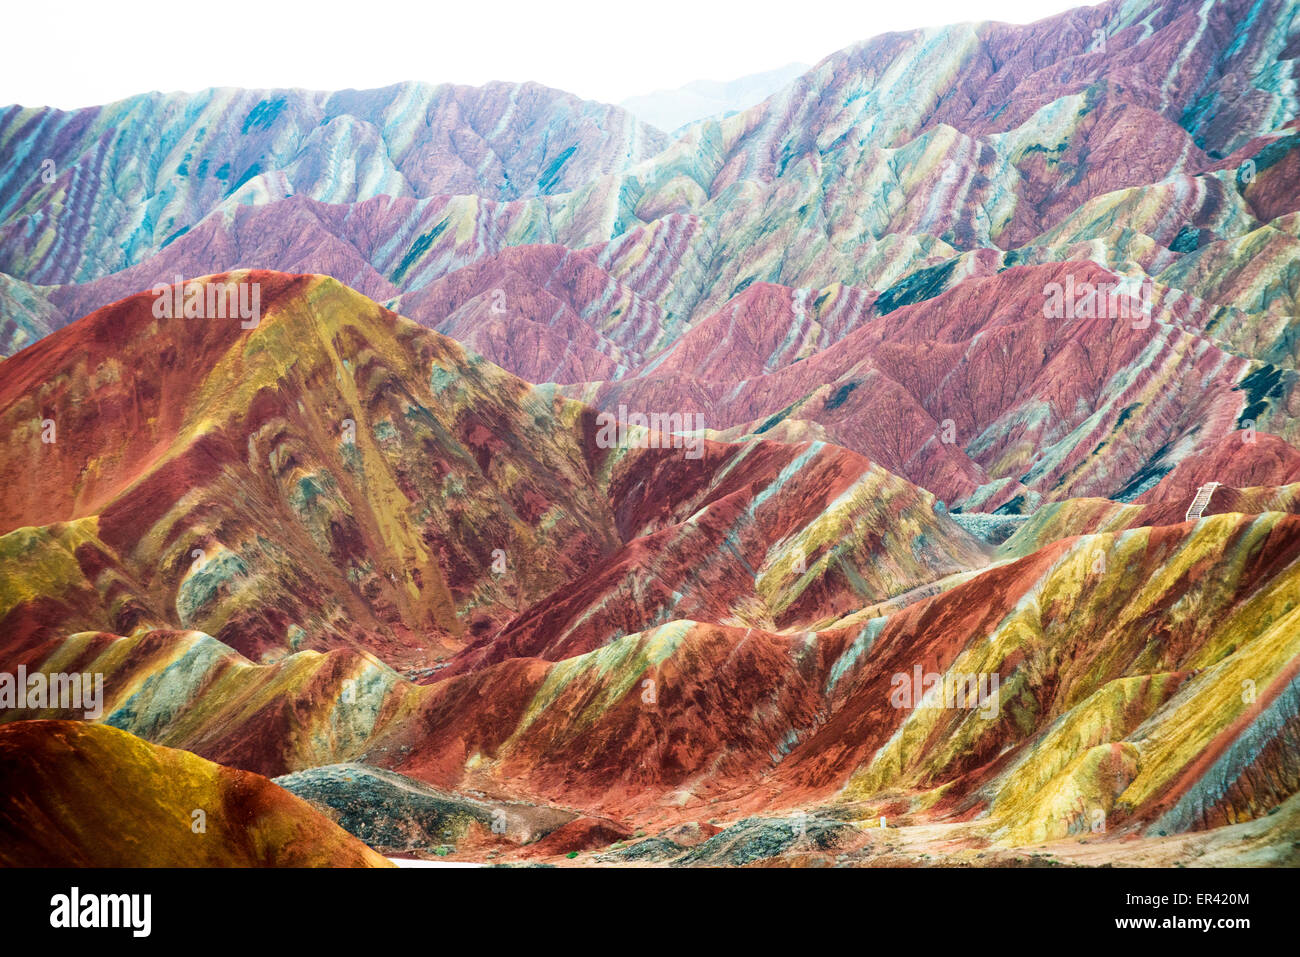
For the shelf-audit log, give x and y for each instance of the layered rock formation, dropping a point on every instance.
(701, 471)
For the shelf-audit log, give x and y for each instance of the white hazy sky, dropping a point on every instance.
(82, 52)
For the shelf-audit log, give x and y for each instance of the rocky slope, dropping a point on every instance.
(91, 191)
(408, 499)
(681, 637)
(1130, 141)
(69, 784)
(940, 342)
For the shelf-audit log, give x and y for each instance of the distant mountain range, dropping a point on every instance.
(672, 110)
(569, 488)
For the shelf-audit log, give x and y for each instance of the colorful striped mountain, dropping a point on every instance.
(510, 481)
